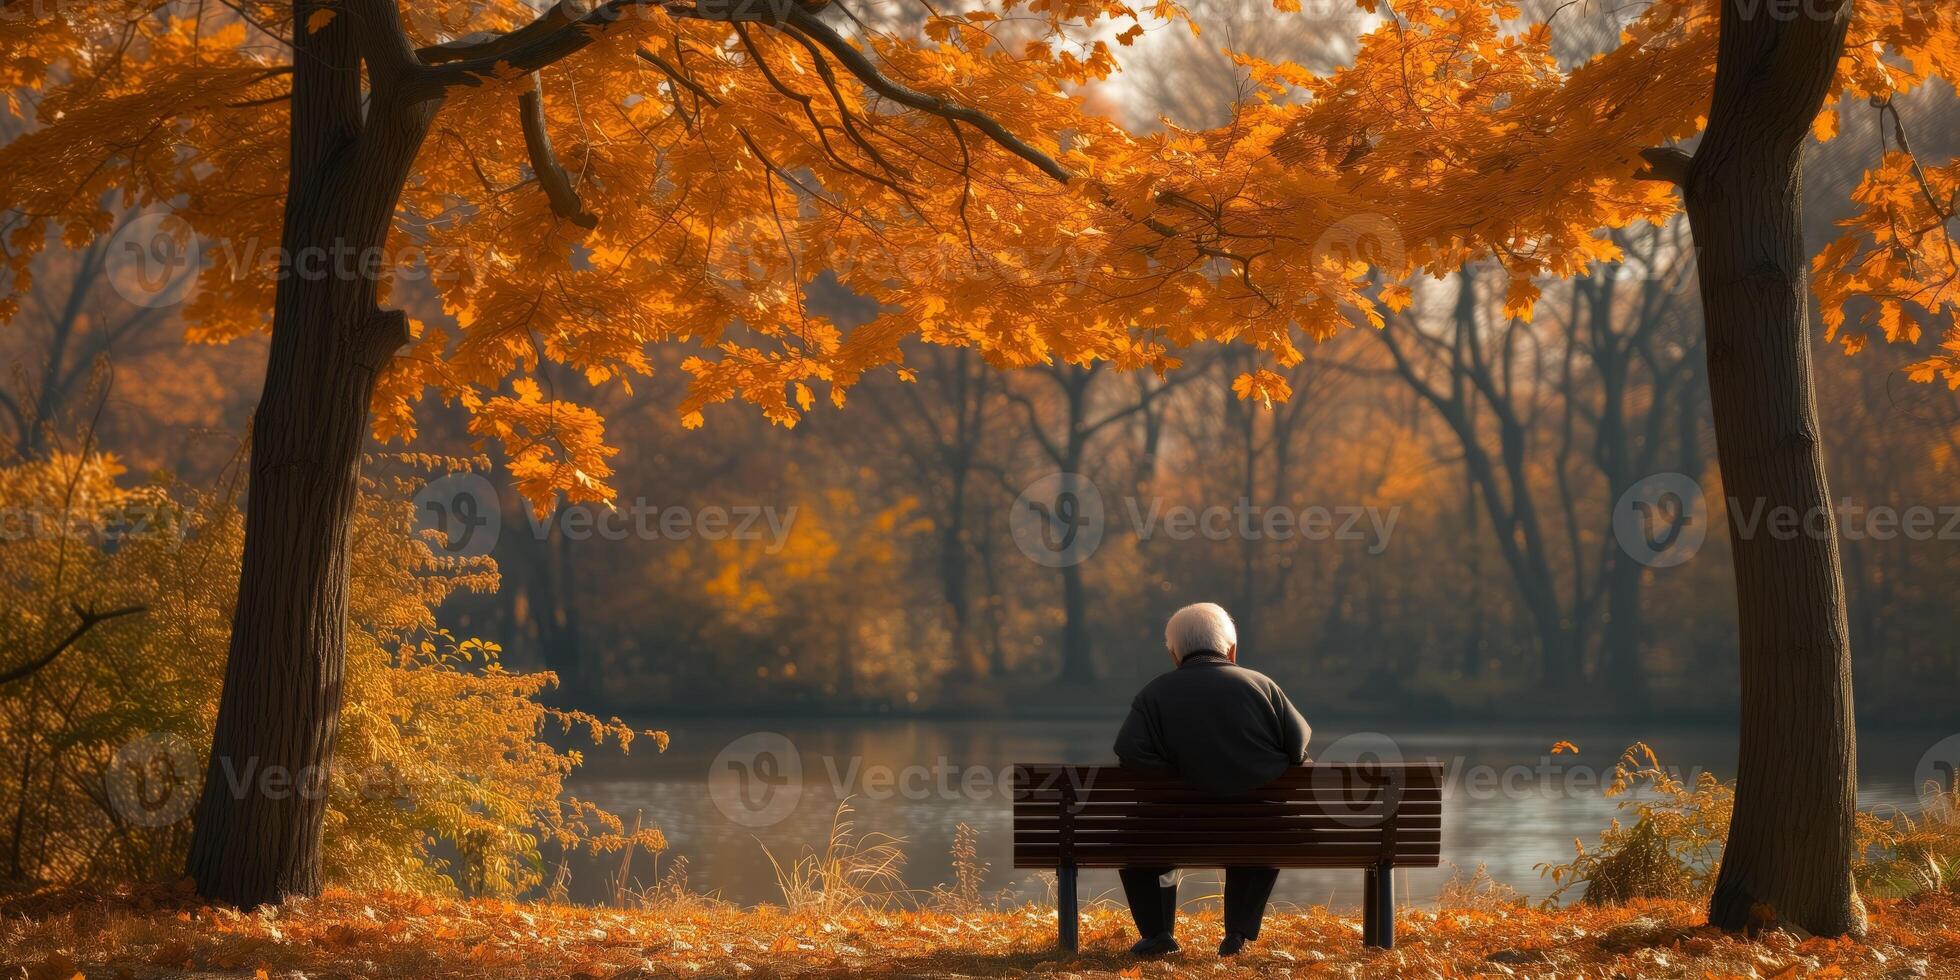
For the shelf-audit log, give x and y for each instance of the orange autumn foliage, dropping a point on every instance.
(397, 935)
(446, 780)
(724, 166)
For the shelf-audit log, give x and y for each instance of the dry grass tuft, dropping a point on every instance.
(1477, 891)
(853, 870)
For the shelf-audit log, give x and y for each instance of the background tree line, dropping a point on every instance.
(1499, 445)
(899, 586)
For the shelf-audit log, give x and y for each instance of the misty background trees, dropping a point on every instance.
(899, 586)
(1499, 446)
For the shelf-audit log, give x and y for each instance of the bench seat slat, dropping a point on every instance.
(1188, 862)
(1193, 799)
(1182, 796)
(1275, 838)
(1328, 774)
(1201, 851)
(1356, 814)
(1328, 791)
(1253, 857)
(1318, 848)
(1191, 826)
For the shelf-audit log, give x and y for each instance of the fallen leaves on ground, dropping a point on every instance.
(165, 933)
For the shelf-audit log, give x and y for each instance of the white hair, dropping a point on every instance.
(1200, 626)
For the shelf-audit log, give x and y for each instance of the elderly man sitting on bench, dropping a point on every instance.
(1222, 730)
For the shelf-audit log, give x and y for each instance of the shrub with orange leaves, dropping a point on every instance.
(1674, 845)
(1672, 849)
(443, 782)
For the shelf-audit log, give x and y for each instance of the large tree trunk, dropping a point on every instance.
(1790, 844)
(257, 836)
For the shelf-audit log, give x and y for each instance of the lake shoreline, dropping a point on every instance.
(1511, 803)
(665, 715)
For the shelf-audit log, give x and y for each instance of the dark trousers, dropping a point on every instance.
(1154, 905)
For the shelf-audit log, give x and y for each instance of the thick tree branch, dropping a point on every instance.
(1668, 163)
(544, 162)
(89, 619)
(490, 44)
(383, 42)
(557, 34)
(477, 45)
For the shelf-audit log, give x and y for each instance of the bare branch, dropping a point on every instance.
(557, 34)
(678, 77)
(857, 64)
(89, 619)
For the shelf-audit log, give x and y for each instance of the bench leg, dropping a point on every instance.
(1066, 918)
(1368, 927)
(1384, 906)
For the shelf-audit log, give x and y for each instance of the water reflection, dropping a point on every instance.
(1509, 804)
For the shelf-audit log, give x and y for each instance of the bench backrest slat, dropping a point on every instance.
(1321, 815)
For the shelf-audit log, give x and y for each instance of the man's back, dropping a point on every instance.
(1222, 730)
(1219, 727)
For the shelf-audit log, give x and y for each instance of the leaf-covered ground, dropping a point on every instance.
(163, 934)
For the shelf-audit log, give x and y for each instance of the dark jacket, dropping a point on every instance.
(1219, 727)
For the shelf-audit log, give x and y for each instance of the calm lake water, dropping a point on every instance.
(1509, 805)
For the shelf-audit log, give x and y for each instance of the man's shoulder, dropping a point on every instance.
(1266, 686)
(1256, 677)
(1158, 683)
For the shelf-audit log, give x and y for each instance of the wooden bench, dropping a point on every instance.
(1372, 816)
